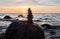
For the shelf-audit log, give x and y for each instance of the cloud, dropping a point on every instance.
(48, 2)
(30, 2)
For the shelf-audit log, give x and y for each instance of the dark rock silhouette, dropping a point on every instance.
(47, 26)
(7, 17)
(2, 36)
(24, 29)
(20, 16)
(37, 20)
(29, 16)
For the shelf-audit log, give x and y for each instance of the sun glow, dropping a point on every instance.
(24, 11)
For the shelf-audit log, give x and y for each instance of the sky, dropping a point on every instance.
(37, 6)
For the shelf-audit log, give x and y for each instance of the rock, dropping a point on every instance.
(2, 36)
(24, 30)
(7, 17)
(47, 26)
(20, 16)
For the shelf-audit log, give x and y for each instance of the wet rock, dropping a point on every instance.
(7, 17)
(47, 26)
(2, 36)
(23, 30)
(20, 16)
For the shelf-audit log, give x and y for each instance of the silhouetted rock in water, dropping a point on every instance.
(37, 20)
(24, 30)
(47, 26)
(20, 16)
(7, 17)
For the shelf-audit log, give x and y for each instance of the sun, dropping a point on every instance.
(24, 11)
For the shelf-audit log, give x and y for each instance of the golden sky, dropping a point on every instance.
(37, 6)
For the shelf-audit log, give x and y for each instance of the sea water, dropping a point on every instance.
(53, 19)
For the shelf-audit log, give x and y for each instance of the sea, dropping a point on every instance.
(52, 19)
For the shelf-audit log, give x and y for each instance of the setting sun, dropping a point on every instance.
(24, 11)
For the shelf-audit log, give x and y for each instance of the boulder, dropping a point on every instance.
(24, 30)
(7, 17)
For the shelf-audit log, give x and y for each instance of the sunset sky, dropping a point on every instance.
(37, 6)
